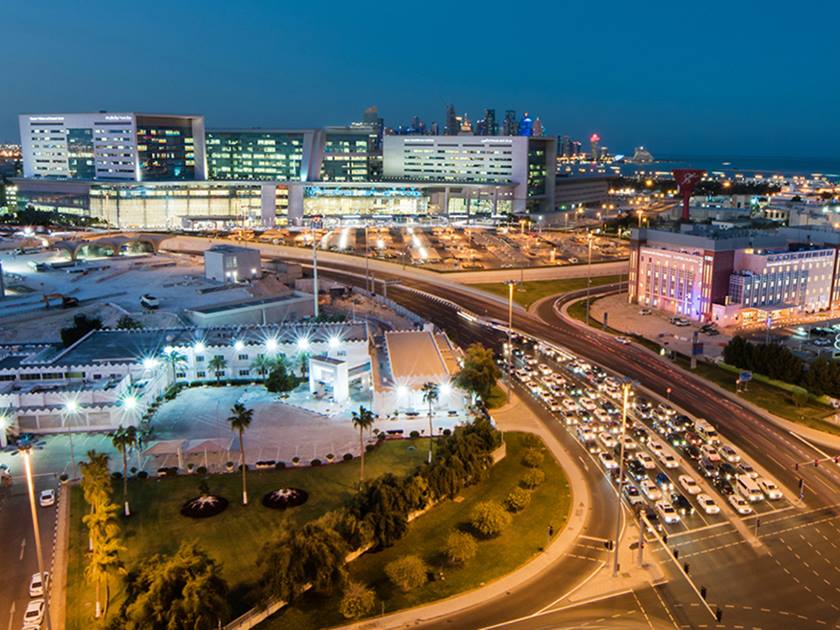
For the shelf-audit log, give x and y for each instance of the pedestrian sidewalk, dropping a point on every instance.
(58, 583)
(514, 416)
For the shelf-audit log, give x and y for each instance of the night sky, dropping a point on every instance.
(686, 78)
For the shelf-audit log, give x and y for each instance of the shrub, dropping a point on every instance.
(414, 434)
(369, 448)
(447, 432)
(489, 518)
(116, 476)
(239, 468)
(529, 440)
(295, 459)
(63, 477)
(348, 457)
(201, 470)
(358, 601)
(518, 499)
(280, 465)
(407, 573)
(315, 462)
(532, 479)
(330, 457)
(142, 474)
(533, 458)
(460, 547)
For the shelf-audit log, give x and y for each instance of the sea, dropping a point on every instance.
(745, 165)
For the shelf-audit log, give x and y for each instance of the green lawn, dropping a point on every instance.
(774, 399)
(427, 535)
(527, 293)
(235, 536)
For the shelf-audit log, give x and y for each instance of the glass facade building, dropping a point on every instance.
(346, 155)
(263, 155)
(165, 148)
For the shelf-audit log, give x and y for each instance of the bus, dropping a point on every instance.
(748, 488)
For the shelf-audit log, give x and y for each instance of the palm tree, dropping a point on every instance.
(123, 439)
(363, 419)
(240, 419)
(263, 364)
(105, 556)
(431, 394)
(218, 365)
(175, 360)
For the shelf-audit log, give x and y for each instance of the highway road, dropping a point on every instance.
(790, 579)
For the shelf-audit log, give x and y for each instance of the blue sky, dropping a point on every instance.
(708, 78)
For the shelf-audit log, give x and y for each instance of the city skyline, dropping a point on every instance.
(675, 94)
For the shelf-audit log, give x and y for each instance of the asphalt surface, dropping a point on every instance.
(791, 579)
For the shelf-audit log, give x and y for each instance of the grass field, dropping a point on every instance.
(233, 537)
(527, 293)
(427, 535)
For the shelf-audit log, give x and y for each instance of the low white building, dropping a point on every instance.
(229, 263)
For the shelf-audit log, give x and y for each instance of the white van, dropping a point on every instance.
(707, 431)
(748, 488)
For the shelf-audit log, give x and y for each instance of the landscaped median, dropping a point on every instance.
(429, 531)
(526, 293)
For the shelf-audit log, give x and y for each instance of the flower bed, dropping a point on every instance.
(285, 498)
(204, 506)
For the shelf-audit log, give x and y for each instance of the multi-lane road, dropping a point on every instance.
(785, 574)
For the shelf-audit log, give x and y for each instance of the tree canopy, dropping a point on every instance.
(479, 373)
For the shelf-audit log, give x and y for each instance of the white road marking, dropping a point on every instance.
(22, 548)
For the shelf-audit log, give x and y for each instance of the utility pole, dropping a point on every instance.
(315, 267)
(510, 284)
(625, 392)
(26, 451)
(367, 263)
(588, 277)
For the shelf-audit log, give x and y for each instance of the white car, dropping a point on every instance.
(669, 461)
(689, 484)
(607, 440)
(650, 489)
(656, 447)
(728, 453)
(36, 586)
(47, 498)
(630, 443)
(623, 340)
(708, 451)
(707, 504)
(607, 460)
(770, 489)
(645, 460)
(587, 403)
(34, 614)
(748, 470)
(544, 369)
(740, 504)
(668, 513)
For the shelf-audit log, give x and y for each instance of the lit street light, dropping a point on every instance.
(588, 275)
(26, 451)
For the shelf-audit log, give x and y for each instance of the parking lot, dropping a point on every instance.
(678, 470)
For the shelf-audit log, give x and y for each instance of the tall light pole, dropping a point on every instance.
(510, 284)
(26, 451)
(588, 276)
(625, 392)
(315, 268)
(368, 286)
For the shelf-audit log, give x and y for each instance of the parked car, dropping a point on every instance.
(47, 498)
(34, 613)
(36, 585)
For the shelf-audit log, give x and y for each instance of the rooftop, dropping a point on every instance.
(232, 306)
(415, 354)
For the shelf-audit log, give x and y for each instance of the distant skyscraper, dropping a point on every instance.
(525, 125)
(537, 129)
(577, 147)
(594, 139)
(466, 124)
(490, 126)
(452, 127)
(434, 129)
(371, 117)
(509, 124)
(565, 146)
(480, 128)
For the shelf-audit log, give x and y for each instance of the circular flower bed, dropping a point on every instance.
(285, 498)
(204, 506)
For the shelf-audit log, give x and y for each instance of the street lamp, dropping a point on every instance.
(26, 451)
(588, 275)
(625, 393)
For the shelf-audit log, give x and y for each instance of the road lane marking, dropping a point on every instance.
(22, 548)
(644, 612)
